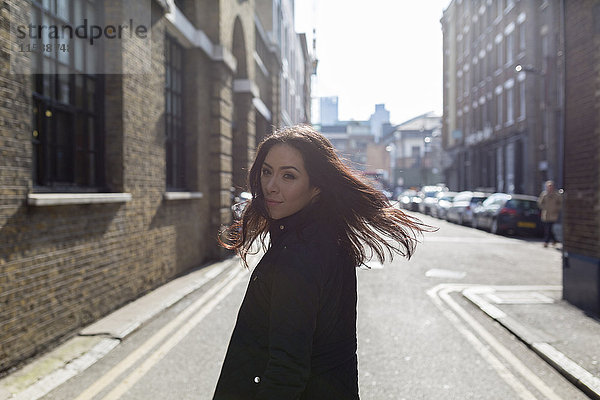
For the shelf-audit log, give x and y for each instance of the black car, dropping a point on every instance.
(503, 213)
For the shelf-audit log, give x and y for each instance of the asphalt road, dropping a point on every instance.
(418, 337)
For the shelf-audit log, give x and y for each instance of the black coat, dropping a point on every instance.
(295, 335)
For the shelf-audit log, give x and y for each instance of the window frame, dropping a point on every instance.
(175, 137)
(77, 163)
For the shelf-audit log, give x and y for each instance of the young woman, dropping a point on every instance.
(295, 335)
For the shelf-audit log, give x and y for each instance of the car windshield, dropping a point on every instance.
(518, 204)
(477, 199)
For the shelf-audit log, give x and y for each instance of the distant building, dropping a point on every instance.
(351, 139)
(329, 110)
(380, 117)
(501, 126)
(414, 147)
(290, 79)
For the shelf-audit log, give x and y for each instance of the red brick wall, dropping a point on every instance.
(582, 129)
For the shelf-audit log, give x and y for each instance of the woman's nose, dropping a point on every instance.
(272, 186)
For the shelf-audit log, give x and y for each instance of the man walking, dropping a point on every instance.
(550, 202)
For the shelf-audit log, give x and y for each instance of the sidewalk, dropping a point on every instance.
(560, 333)
(93, 342)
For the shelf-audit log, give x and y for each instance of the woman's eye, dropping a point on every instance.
(266, 172)
(289, 176)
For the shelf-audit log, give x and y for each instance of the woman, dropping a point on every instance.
(295, 335)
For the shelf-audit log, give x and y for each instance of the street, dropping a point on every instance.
(419, 338)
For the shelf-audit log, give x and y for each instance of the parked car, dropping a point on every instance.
(407, 200)
(428, 198)
(444, 201)
(509, 213)
(461, 210)
(240, 203)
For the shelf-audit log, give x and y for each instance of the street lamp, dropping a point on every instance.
(391, 150)
(527, 68)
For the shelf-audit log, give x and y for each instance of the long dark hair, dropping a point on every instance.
(364, 217)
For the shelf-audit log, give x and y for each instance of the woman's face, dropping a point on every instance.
(284, 181)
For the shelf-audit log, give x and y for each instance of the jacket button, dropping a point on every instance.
(281, 227)
(257, 379)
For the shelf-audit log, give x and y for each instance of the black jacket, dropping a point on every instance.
(295, 335)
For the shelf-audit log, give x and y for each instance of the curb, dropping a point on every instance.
(93, 342)
(536, 341)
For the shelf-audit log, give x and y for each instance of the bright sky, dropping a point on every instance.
(377, 51)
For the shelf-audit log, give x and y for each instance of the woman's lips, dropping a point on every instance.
(273, 202)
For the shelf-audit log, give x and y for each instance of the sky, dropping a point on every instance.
(376, 51)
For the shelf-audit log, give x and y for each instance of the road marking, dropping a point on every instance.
(468, 240)
(374, 264)
(445, 273)
(202, 306)
(441, 295)
(582, 378)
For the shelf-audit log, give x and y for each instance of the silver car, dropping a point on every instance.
(461, 210)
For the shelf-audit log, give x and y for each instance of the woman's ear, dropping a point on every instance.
(316, 192)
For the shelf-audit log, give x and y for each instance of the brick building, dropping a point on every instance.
(581, 213)
(118, 161)
(502, 125)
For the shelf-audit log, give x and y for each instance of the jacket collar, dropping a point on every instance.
(279, 227)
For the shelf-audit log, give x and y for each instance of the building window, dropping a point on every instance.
(510, 48)
(67, 134)
(416, 156)
(522, 103)
(500, 53)
(174, 129)
(522, 37)
(509, 5)
(499, 111)
(509, 106)
(499, 170)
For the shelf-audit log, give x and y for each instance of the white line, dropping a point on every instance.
(503, 351)
(159, 336)
(492, 360)
(570, 369)
(467, 240)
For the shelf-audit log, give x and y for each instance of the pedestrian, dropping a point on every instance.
(295, 334)
(550, 202)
